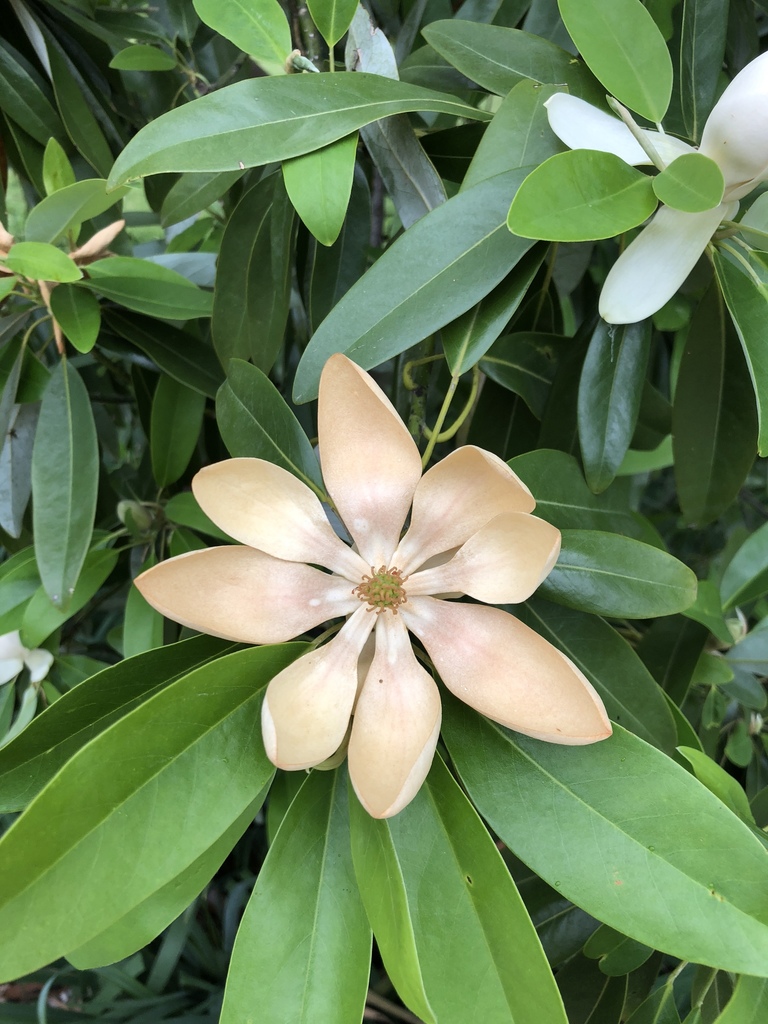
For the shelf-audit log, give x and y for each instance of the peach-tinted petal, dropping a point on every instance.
(370, 462)
(503, 563)
(97, 244)
(503, 669)
(266, 507)
(454, 499)
(306, 709)
(242, 594)
(396, 724)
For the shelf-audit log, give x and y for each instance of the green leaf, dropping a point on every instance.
(746, 575)
(193, 193)
(182, 356)
(410, 291)
(630, 693)
(498, 58)
(72, 98)
(525, 363)
(184, 510)
(24, 97)
(607, 574)
(748, 1004)
(78, 313)
(258, 27)
(708, 609)
(468, 338)
(147, 287)
(588, 994)
(303, 949)
(658, 1008)
(177, 418)
(618, 954)
(19, 579)
(59, 213)
(718, 781)
(41, 262)
(581, 195)
(332, 17)
(65, 478)
(745, 298)
(432, 872)
(268, 119)
(253, 282)
(692, 183)
(36, 755)
(16, 468)
(610, 391)
(702, 49)
(623, 47)
(256, 422)
(57, 170)
(140, 57)
(609, 823)
(142, 625)
(714, 421)
(121, 792)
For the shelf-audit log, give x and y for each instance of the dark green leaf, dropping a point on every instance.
(147, 287)
(618, 954)
(702, 48)
(16, 468)
(746, 575)
(24, 98)
(671, 649)
(72, 98)
(589, 995)
(65, 477)
(525, 363)
(19, 579)
(140, 57)
(177, 418)
(749, 1003)
(195, 192)
(78, 314)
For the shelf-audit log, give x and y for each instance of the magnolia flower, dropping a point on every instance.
(14, 656)
(470, 533)
(657, 262)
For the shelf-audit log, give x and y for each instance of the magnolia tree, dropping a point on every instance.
(383, 614)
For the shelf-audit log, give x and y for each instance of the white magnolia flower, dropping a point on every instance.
(14, 656)
(657, 262)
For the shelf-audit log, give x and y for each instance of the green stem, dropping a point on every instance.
(451, 431)
(434, 434)
(418, 383)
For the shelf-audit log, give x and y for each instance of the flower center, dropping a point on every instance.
(382, 590)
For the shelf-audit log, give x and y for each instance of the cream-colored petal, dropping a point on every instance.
(266, 507)
(9, 669)
(656, 263)
(503, 563)
(242, 594)
(503, 669)
(38, 662)
(97, 244)
(396, 724)
(454, 499)
(307, 706)
(371, 464)
(11, 646)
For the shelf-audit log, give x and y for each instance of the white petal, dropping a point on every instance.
(656, 263)
(581, 126)
(396, 724)
(11, 646)
(38, 662)
(9, 669)
(307, 706)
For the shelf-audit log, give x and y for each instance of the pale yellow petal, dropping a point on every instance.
(266, 507)
(503, 669)
(503, 563)
(307, 706)
(370, 462)
(396, 724)
(242, 594)
(454, 499)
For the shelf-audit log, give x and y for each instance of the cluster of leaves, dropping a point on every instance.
(270, 220)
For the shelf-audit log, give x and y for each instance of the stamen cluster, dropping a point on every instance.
(383, 590)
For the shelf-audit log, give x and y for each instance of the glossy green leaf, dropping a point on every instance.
(708, 609)
(319, 185)
(78, 314)
(433, 873)
(267, 119)
(24, 97)
(718, 781)
(745, 299)
(618, 954)
(72, 98)
(692, 183)
(526, 363)
(746, 575)
(468, 338)
(41, 262)
(623, 47)
(147, 287)
(121, 792)
(749, 1003)
(258, 27)
(702, 49)
(144, 922)
(589, 995)
(253, 286)
(714, 420)
(607, 574)
(59, 213)
(184, 510)
(140, 57)
(34, 757)
(497, 58)
(581, 195)
(42, 617)
(65, 477)
(630, 694)
(332, 17)
(256, 422)
(142, 624)
(16, 468)
(302, 953)
(182, 356)
(671, 649)
(563, 498)
(177, 418)
(411, 290)
(195, 192)
(610, 391)
(57, 170)
(603, 824)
